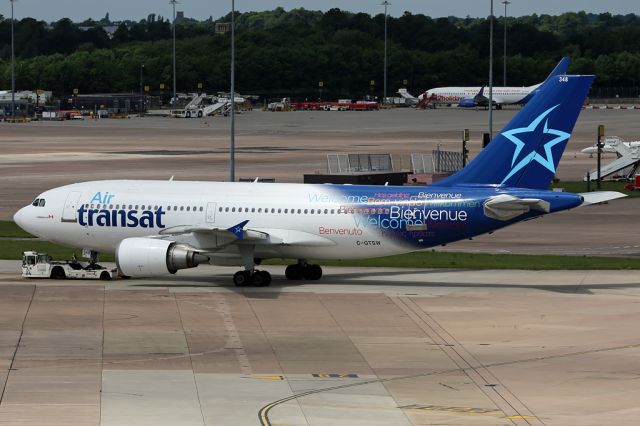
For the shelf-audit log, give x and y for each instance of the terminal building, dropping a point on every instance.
(119, 103)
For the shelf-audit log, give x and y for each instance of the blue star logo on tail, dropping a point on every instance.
(546, 160)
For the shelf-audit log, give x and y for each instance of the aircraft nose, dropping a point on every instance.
(20, 218)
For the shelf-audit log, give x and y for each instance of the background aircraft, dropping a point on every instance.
(607, 147)
(468, 97)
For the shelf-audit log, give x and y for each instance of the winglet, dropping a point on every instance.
(238, 230)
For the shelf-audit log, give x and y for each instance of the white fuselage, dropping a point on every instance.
(72, 216)
(453, 95)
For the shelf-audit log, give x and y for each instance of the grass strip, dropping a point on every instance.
(9, 229)
(460, 260)
(12, 249)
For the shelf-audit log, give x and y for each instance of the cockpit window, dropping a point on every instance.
(35, 202)
(41, 204)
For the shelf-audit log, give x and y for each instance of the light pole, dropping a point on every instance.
(13, 69)
(232, 140)
(173, 102)
(141, 89)
(491, 73)
(384, 92)
(504, 55)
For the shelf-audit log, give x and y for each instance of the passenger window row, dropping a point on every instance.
(265, 210)
(143, 207)
(342, 210)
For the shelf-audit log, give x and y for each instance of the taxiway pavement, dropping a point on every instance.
(376, 346)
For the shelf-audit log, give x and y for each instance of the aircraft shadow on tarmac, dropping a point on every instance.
(414, 278)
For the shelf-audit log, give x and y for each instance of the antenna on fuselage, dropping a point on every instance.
(171, 178)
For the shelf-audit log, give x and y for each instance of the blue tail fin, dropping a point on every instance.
(527, 151)
(561, 68)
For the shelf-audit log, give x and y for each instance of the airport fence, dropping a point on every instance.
(438, 161)
(359, 163)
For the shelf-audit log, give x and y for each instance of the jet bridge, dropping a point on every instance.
(628, 160)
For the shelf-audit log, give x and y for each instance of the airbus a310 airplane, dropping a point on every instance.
(160, 227)
(469, 97)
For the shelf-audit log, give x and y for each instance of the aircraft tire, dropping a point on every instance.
(294, 272)
(57, 273)
(261, 279)
(242, 279)
(312, 272)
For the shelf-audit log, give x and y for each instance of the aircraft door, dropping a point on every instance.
(69, 212)
(211, 213)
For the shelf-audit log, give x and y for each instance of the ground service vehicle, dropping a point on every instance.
(41, 265)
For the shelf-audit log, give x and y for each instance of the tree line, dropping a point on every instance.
(287, 53)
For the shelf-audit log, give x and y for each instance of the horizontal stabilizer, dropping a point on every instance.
(506, 207)
(599, 197)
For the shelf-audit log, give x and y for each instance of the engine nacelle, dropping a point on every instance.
(148, 257)
(467, 103)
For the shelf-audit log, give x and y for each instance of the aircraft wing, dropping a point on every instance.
(506, 207)
(239, 234)
(236, 231)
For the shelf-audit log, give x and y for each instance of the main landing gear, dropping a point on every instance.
(302, 270)
(252, 278)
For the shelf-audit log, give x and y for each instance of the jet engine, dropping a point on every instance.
(148, 257)
(467, 103)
